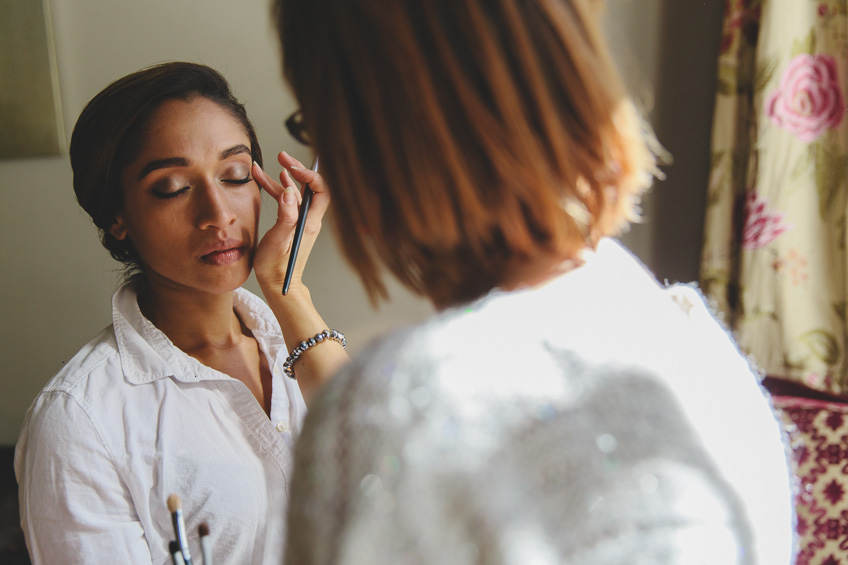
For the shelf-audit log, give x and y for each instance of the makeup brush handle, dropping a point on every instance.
(298, 235)
(298, 231)
(182, 540)
(176, 554)
(206, 550)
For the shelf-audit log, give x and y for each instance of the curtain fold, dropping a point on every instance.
(774, 255)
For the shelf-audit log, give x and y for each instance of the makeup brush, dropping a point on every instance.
(175, 507)
(205, 544)
(298, 230)
(176, 556)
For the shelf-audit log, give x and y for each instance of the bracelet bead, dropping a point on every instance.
(300, 349)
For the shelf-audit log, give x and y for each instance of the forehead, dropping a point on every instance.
(194, 125)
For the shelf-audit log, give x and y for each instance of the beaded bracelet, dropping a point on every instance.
(288, 366)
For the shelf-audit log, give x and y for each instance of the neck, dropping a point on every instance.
(529, 272)
(540, 270)
(192, 320)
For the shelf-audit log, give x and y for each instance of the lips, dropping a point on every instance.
(224, 252)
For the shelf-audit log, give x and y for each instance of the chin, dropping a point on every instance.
(232, 284)
(227, 282)
(215, 281)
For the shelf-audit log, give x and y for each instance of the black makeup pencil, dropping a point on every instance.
(298, 230)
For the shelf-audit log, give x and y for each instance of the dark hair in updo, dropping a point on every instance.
(110, 129)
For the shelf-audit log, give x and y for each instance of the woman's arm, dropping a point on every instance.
(295, 312)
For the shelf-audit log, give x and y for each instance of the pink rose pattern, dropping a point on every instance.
(809, 99)
(761, 225)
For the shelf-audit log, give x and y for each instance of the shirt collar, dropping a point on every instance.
(148, 355)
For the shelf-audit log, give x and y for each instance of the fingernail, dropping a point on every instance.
(295, 166)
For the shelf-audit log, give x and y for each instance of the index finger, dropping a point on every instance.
(301, 174)
(313, 178)
(270, 186)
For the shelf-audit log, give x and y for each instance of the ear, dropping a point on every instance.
(119, 228)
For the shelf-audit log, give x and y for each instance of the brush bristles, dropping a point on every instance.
(174, 503)
(203, 529)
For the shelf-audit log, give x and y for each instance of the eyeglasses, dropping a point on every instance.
(297, 129)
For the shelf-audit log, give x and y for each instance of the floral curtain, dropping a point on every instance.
(774, 255)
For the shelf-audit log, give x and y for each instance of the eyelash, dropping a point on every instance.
(245, 180)
(169, 195)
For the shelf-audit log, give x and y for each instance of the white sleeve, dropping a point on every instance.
(75, 506)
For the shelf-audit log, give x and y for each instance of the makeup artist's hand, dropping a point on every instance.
(299, 319)
(272, 253)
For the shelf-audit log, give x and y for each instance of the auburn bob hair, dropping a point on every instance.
(462, 137)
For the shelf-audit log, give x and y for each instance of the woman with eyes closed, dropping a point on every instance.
(186, 392)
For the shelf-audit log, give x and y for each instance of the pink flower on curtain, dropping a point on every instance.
(809, 99)
(762, 226)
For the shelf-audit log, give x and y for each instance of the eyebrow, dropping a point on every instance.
(183, 162)
(235, 150)
(162, 164)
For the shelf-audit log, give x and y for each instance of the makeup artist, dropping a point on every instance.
(562, 406)
(185, 393)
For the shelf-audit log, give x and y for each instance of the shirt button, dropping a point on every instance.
(282, 426)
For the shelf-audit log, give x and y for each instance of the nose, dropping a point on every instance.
(214, 210)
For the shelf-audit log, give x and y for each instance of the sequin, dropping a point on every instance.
(370, 485)
(606, 443)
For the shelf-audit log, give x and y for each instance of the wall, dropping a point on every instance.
(56, 278)
(667, 51)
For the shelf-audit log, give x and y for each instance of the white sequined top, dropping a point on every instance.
(597, 419)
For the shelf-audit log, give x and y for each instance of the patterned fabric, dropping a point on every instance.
(774, 256)
(819, 432)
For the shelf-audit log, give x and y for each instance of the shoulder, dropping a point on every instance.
(395, 363)
(59, 421)
(352, 409)
(95, 357)
(67, 400)
(369, 375)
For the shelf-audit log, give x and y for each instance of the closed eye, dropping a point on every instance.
(245, 180)
(172, 194)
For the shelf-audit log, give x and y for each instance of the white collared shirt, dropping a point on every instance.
(131, 419)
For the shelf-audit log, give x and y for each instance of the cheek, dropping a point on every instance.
(254, 207)
(154, 229)
(155, 237)
(257, 202)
